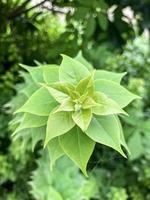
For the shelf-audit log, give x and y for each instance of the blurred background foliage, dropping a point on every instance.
(112, 35)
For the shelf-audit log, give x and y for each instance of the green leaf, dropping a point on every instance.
(51, 73)
(105, 105)
(89, 103)
(57, 95)
(40, 103)
(122, 139)
(105, 130)
(58, 123)
(82, 60)
(31, 121)
(80, 13)
(82, 118)
(64, 87)
(55, 151)
(90, 27)
(71, 70)
(103, 21)
(35, 72)
(78, 147)
(102, 74)
(86, 85)
(115, 91)
(67, 105)
(29, 89)
(135, 145)
(37, 134)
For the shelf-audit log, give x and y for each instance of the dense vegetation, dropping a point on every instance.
(38, 34)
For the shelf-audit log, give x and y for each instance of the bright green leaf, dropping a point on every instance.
(67, 105)
(105, 130)
(71, 70)
(51, 73)
(105, 105)
(82, 60)
(86, 85)
(35, 72)
(57, 95)
(102, 74)
(55, 151)
(82, 118)
(115, 91)
(40, 103)
(58, 123)
(78, 147)
(31, 121)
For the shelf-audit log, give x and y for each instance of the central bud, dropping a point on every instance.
(77, 107)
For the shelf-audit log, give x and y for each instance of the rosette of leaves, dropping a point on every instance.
(71, 107)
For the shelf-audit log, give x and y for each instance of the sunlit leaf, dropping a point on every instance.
(78, 147)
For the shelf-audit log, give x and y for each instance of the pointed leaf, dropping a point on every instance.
(78, 147)
(31, 121)
(105, 130)
(37, 134)
(89, 103)
(57, 95)
(115, 91)
(64, 87)
(86, 85)
(71, 70)
(51, 73)
(102, 74)
(58, 123)
(122, 139)
(135, 145)
(35, 72)
(67, 105)
(82, 118)
(82, 60)
(105, 105)
(40, 103)
(55, 151)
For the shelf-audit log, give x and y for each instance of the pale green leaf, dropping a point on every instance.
(102, 74)
(115, 91)
(55, 151)
(64, 87)
(67, 105)
(35, 72)
(86, 85)
(135, 145)
(58, 123)
(71, 70)
(122, 139)
(105, 130)
(78, 147)
(57, 95)
(82, 60)
(82, 118)
(89, 103)
(40, 103)
(51, 74)
(31, 121)
(105, 105)
(29, 89)
(37, 134)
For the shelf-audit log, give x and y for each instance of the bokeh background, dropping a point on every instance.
(113, 35)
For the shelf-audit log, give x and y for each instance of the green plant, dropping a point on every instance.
(60, 184)
(72, 106)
